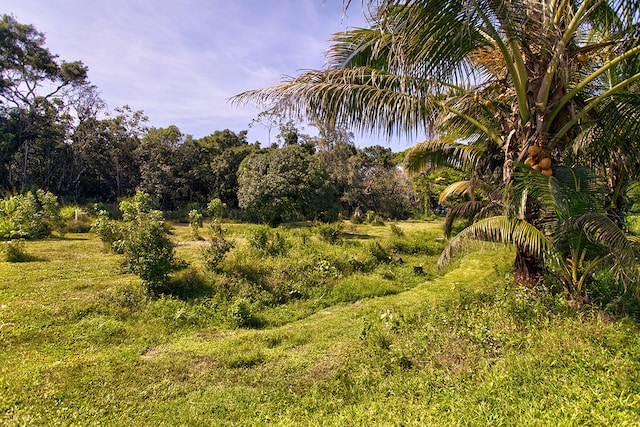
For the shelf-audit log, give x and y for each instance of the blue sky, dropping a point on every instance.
(180, 60)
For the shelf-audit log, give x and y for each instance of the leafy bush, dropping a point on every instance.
(240, 314)
(75, 219)
(216, 207)
(109, 231)
(218, 247)
(148, 251)
(379, 252)
(13, 251)
(195, 221)
(142, 237)
(29, 216)
(331, 233)
(271, 242)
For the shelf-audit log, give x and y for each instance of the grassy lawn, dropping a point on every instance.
(82, 344)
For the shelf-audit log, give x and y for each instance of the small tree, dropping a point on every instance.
(195, 221)
(286, 184)
(143, 238)
(218, 247)
(148, 251)
(29, 216)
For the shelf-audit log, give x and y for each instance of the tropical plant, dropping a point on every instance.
(574, 237)
(515, 76)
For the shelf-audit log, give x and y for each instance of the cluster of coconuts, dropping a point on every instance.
(539, 161)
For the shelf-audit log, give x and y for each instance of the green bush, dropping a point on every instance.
(331, 233)
(195, 221)
(218, 247)
(13, 251)
(143, 238)
(148, 251)
(109, 231)
(29, 216)
(75, 219)
(377, 251)
(269, 241)
(240, 314)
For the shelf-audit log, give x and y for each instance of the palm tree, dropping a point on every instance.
(574, 236)
(514, 74)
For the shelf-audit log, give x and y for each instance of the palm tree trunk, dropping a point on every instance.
(527, 270)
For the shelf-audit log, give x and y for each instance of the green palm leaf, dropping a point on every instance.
(506, 230)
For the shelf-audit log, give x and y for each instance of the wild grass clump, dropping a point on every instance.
(14, 251)
(332, 232)
(269, 241)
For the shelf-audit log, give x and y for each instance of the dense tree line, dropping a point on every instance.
(56, 135)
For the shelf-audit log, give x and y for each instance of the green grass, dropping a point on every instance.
(82, 344)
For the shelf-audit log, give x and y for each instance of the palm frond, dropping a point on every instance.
(455, 189)
(467, 209)
(362, 98)
(502, 229)
(600, 230)
(442, 152)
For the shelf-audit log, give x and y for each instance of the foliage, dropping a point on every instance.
(216, 207)
(195, 221)
(269, 241)
(143, 238)
(286, 184)
(29, 216)
(148, 251)
(108, 230)
(36, 98)
(331, 233)
(75, 219)
(14, 251)
(575, 238)
(218, 247)
(494, 83)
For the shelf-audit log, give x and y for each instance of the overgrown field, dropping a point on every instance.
(315, 327)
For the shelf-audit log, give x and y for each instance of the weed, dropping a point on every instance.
(14, 251)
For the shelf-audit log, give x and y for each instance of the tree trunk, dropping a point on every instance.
(527, 270)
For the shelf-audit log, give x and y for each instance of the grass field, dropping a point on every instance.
(347, 342)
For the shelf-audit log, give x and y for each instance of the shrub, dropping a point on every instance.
(331, 233)
(148, 251)
(13, 251)
(379, 252)
(216, 207)
(218, 247)
(109, 231)
(195, 221)
(271, 242)
(142, 237)
(75, 219)
(240, 314)
(29, 216)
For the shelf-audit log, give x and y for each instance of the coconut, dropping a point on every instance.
(547, 172)
(545, 163)
(537, 167)
(529, 161)
(534, 150)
